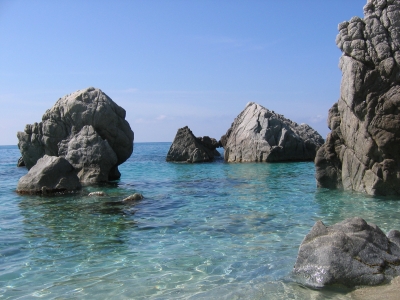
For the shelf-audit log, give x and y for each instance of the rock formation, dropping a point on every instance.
(261, 135)
(90, 155)
(187, 148)
(51, 174)
(362, 151)
(350, 253)
(20, 162)
(88, 129)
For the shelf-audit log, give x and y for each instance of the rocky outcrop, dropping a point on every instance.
(88, 129)
(49, 175)
(90, 155)
(362, 151)
(261, 135)
(20, 162)
(187, 148)
(349, 253)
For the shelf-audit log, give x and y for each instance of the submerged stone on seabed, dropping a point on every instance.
(133, 197)
(350, 253)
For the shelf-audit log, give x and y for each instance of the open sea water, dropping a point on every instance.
(203, 231)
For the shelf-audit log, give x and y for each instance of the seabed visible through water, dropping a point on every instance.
(203, 231)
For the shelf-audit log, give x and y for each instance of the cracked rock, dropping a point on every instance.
(350, 253)
(88, 129)
(362, 151)
(260, 135)
(188, 148)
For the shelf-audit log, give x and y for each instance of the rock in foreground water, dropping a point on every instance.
(362, 151)
(349, 253)
(49, 175)
(260, 135)
(187, 148)
(88, 129)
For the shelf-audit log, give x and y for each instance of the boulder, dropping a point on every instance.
(49, 175)
(90, 155)
(260, 135)
(20, 162)
(133, 197)
(99, 193)
(362, 151)
(349, 253)
(187, 148)
(64, 125)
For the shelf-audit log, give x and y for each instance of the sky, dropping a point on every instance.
(173, 63)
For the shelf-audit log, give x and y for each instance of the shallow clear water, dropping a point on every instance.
(203, 231)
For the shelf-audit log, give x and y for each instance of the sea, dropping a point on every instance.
(203, 231)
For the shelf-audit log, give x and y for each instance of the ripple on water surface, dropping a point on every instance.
(203, 231)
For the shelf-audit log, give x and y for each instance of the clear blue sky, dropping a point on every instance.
(172, 63)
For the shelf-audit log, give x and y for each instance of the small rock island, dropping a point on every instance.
(260, 135)
(87, 130)
(188, 148)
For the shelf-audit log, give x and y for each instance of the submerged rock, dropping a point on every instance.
(349, 253)
(187, 148)
(134, 197)
(362, 151)
(49, 175)
(88, 129)
(260, 135)
(100, 193)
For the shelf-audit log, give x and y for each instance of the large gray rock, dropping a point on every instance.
(362, 151)
(261, 135)
(90, 155)
(187, 148)
(49, 175)
(349, 253)
(64, 122)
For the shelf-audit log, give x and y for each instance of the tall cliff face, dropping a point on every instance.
(362, 151)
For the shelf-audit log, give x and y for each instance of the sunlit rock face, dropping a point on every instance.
(261, 135)
(362, 151)
(50, 175)
(350, 253)
(88, 129)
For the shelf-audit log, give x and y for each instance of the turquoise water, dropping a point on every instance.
(203, 231)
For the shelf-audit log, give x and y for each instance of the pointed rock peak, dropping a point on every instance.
(188, 148)
(260, 135)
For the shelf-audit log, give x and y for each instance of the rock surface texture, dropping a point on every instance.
(88, 129)
(51, 174)
(349, 253)
(261, 135)
(188, 148)
(362, 151)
